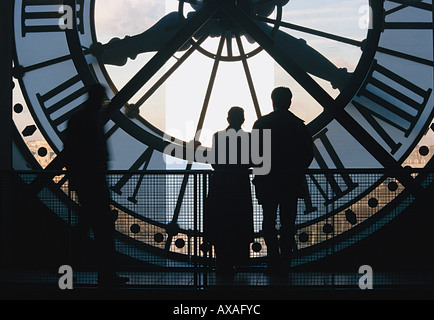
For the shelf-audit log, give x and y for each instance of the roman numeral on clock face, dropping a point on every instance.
(330, 186)
(402, 5)
(140, 164)
(40, 16)
(62, 101)
(409, 3)
(387, 98)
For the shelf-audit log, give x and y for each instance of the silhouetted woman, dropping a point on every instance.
(229, 210)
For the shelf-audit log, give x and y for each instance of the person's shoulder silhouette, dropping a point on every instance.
(282, 99)
(240, 139)
(292, 145)
(84, 136)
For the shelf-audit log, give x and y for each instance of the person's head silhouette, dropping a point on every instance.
(236, 117)
(282, 98)
(97, 95)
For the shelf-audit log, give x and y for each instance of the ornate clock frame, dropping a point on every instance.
(383, 113)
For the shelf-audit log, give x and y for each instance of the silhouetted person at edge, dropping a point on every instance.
(229, 210)
(291, 154)
(87, 158)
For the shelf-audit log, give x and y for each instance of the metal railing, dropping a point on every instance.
(160, 214)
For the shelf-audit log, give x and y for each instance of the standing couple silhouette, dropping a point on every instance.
(228, 219)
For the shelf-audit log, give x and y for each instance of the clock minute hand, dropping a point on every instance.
(117, 51)
(309, 59)
(182, 36)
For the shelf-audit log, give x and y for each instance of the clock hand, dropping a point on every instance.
(306, 57)
(309, 59)
(279, 55)
(117, 51)
(182, 36)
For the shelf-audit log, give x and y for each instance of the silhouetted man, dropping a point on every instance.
(87, 158)
(291, 154)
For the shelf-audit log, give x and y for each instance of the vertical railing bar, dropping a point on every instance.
(327, 176)
(333, 239)
(70, 226)
(206, 253)
(195, 234)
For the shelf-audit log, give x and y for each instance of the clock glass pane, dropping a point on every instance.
(227, 67)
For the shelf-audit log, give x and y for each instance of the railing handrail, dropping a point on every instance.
(207, 171)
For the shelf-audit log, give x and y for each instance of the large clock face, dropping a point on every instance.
(361, 73)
